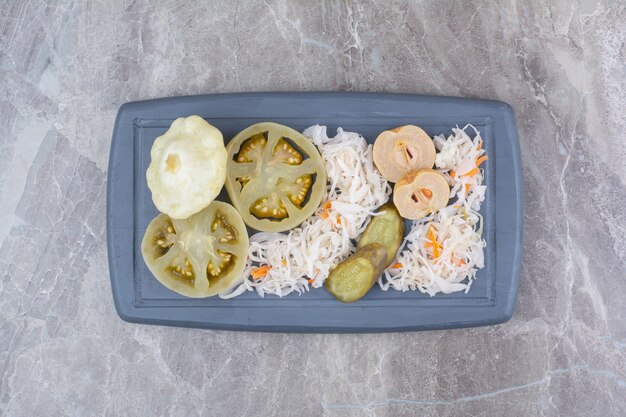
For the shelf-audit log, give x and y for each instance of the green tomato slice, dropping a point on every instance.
(200, 256)
(275, 177)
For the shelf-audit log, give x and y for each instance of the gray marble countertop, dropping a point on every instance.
(66, 67)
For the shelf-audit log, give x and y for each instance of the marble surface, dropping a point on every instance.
(66, 67)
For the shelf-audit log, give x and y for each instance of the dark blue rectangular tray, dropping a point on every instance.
(140, 298)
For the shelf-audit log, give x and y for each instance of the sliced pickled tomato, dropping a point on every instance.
(285, 153)
(222, 230)
(251, 151)
(296, 190)
(163, 238)
(221, 260)
(220, 263)
(269, 207)
(273, 193)
(181, 268)
(178, 252)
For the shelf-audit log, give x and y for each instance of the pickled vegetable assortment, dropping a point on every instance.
(275, 177)
(200, 256)
(277, 180)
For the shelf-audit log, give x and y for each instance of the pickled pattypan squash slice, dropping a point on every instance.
(200, 256)
(187, 168)
(275, 177)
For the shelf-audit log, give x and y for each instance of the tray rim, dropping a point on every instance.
(506, 308)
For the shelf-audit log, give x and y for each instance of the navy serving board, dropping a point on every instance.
(140, 298)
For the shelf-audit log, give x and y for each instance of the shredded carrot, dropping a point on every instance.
(397, 265)
(338, 220)
(452, 173)
(459, 262)
(427, 192)
(467, 188)
(311, 280)
(475, 170)
(480, 145)
(284, 262)
(471, 172)
(260, 272)
(326, 212)
(433, 243)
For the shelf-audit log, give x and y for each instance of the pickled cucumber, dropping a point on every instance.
(354, 277)
(386, 229)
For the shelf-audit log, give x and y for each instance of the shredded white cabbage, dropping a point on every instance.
(444, 251)
(304, 257)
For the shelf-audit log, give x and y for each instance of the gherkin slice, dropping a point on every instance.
(354, 277)
(386, 229)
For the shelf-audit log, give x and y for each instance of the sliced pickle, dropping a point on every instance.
(386, 229)
(354, 277)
